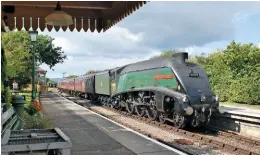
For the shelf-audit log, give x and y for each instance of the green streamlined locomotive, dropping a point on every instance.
(163, 89)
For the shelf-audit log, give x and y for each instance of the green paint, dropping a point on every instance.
(145, 78)
(102, 84)
(33, 77)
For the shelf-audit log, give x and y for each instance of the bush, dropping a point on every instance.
(245, 91)
(31, 109)
(233, 72)
(36, 121)
(8, 97)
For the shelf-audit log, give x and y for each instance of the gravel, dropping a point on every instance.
(197, 147)
(241, 144)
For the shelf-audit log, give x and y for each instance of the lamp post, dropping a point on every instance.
(33, 35)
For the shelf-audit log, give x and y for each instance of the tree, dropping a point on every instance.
(166, 54)
(4, 86)
(16, 45)
(18, 50)
(233, 72)
(3, 67)
(72, 76)
(243, 61)
(47, 53)
(90, 72)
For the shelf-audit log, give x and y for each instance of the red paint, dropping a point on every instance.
(169, 76)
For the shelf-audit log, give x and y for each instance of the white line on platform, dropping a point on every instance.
(144, 136)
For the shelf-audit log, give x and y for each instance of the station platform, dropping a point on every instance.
(92, 134)
(242, 111)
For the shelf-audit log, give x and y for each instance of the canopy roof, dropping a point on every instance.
(87, 15)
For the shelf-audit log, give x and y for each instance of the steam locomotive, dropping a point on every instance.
(163, 89)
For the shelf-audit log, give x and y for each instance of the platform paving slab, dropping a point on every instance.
(242, 111)
(92, 134)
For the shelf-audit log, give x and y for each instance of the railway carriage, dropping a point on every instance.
(165, 89)
(85, 86)
(66, 85)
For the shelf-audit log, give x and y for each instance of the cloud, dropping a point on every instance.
(99, 51)
(193, 26)
(206, 49)
(241, 16)
(65, 44)
(81, 65)
(183, 24)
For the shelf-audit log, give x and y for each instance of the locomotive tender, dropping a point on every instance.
(165, 89)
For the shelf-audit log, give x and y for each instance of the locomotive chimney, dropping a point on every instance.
(181, 57)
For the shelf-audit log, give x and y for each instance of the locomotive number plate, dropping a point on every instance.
(194, 74)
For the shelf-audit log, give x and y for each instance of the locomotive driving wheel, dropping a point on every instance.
(152, 113)
(120, 108)
(104, 102)
(162, 118)
(179, 121)
(121, 105)
(140, 110)
(130, 107)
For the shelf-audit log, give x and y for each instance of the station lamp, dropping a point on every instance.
(59, 17)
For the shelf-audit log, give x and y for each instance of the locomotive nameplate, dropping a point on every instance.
(169, 76)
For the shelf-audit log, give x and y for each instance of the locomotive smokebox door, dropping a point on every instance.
(180, 57)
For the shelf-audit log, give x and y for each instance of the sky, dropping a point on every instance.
(195, 27)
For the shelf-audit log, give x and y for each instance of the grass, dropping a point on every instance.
(52, 89)
(257, 107)
(28, 96)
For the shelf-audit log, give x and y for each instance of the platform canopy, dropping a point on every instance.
(86, 15)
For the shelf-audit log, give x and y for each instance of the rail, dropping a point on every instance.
(240, 117)
(241, 124)
(200, 137)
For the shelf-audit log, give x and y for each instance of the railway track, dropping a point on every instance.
(247, 126)
(232, 148)
(218, 144)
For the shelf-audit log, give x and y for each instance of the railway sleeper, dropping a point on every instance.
(196, 136)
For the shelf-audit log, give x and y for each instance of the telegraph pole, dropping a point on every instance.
(63, 74)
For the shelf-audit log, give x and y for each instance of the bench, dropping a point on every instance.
(9, 119)
(14, 140)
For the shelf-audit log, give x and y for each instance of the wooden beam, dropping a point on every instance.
(87, 16)
(38, 22)
(44, 12)
(64, 4)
